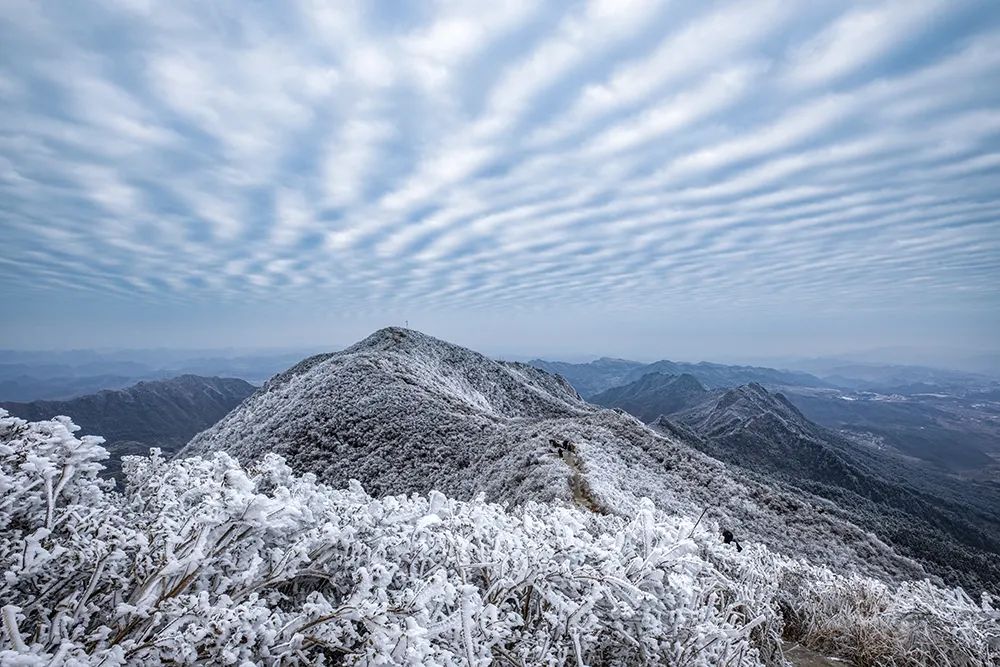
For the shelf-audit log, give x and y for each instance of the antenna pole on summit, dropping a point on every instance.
(700, 517)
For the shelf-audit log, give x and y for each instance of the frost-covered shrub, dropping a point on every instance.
(866, 620)
(203, 561)
(915, 623)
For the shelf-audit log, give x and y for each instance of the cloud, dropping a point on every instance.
(859, 37)
(715, 93)
(480, 156)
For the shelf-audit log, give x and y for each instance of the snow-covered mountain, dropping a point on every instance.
(206, 559)
(403, 412)
(950, 528)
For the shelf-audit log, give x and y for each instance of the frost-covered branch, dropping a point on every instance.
(201, 560)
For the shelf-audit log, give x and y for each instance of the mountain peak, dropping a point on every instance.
(396, 338)
(394, 333)
(654, 394)
(403, 412)
(746, 402)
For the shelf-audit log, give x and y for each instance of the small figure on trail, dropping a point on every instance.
(564, 446)
(728, 537)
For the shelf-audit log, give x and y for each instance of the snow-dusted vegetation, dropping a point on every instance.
(404, 412)
(201, 560)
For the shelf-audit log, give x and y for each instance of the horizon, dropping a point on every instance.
(643, 179)
(163, 358)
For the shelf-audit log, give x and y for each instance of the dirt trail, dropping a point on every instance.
(578, 483)
(803, 657)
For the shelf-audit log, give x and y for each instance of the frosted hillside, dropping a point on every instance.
(404, 412)
(203, 561)
(950, 527)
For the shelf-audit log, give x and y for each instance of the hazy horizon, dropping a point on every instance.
(974, 361)
(637, 179)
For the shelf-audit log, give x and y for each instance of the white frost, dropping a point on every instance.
(203, 561)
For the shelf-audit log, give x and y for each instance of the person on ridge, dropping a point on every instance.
(728, 537)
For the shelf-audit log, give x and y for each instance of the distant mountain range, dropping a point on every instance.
(949, 418)
(161, 413)
(597, 376)
(592, 377)
(26, 388)
(948, 525)
(60, 375)
(31, 376)
(403, 412)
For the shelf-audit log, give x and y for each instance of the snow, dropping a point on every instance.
(202, 560)
(404, 412)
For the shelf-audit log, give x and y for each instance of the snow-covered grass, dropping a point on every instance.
(201, 560)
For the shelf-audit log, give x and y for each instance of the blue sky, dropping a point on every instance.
(680, 179)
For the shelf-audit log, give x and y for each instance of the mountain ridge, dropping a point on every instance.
(403, 412)
(766, 435)
(600, 375)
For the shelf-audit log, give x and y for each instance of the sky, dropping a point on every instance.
(625, 177)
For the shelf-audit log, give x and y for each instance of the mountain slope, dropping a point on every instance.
(403, 412)
(653, 394)
(765, 434)
(160, 413)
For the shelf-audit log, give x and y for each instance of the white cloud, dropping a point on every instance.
(683, 55)
(858, 37)
(474, 154)
(715, 93)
